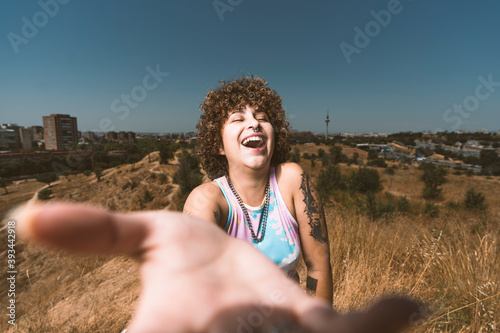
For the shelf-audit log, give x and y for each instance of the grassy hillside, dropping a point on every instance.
(449, 261)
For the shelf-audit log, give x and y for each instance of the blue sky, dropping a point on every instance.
(377, 66)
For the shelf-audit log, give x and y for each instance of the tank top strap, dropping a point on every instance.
(230, 199)
(273, 182)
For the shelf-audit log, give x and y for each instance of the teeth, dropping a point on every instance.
(252, 138)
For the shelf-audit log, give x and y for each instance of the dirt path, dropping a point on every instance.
(34, 198)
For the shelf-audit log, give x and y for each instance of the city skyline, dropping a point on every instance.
(377, 66)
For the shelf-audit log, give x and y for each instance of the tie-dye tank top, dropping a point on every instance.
(281, 241)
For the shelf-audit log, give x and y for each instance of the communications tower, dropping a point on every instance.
(327, 120)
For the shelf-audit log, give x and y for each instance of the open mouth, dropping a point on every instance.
(253, 142)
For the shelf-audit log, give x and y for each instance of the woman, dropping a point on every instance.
(255, 195)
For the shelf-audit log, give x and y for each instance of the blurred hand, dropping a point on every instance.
(195, 278)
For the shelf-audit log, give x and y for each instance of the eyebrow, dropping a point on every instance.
(237, 111)
(243, 111)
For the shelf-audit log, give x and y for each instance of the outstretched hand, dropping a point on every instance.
(195, 278)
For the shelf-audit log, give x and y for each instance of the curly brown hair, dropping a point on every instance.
(235, 95)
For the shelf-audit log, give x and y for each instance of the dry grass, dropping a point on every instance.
(448, 261)
(19, 192)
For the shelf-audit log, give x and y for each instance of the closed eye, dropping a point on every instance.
(262, 117)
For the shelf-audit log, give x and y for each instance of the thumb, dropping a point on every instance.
(81, 228)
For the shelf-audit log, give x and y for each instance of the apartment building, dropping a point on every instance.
(60, 130)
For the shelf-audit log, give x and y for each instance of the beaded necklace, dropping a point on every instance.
(263, 216)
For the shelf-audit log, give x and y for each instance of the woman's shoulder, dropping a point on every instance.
(289, 175)
(289, 170)
(208, 190)
(206, 194)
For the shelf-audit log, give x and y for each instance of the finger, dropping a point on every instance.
(387, 316)
(82, 228)
(251, 318)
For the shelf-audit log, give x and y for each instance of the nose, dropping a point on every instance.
(253, 123)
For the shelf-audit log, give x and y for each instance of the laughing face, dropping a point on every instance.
(248, 139)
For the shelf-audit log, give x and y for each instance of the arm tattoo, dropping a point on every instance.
(313, 210)
(311, 284)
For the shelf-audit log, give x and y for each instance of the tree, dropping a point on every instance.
(365, 180)
(475, 200)
(47, 178)
(489, 161)
(434, 177)
(189, 174)
(148, 146)
(67, 173)
(167, 151)
(329, 180)
(44, 194)
(336, 154)
(295, 156)
(372, 154)
(98, 173)
(4, 182)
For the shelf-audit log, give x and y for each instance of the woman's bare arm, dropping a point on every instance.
(313, 232)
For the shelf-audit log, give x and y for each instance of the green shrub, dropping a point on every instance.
(189, 174)
(372, 206)
(329, 180)
(148, 196)
(390, 170)
(474, 200)
(98, 173)
(295, 155)
(452, 205)
(378, 162)
(377, 208)
(47, 178)
(403, 205)
(431, 209)
(4, 182)
(87, 173)
(434, 177)
(152, 175)
(372, 154)
(44, 194)
(365, 180)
